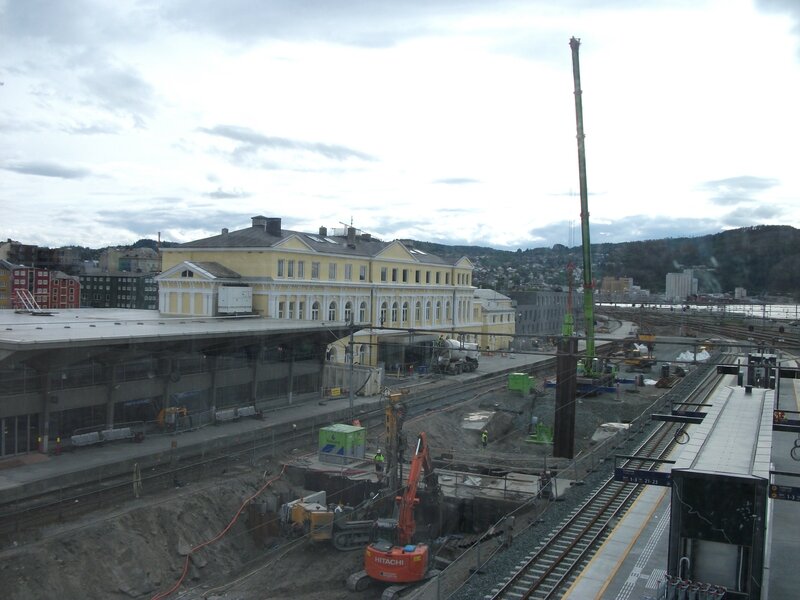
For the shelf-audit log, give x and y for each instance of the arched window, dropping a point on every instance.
(447, 311)
(404, 314)
(428, 310)
(315, 311)
(348, 312)
(394, 312)
(418, 312)
(384, 310)
(438, 313)
(332, 311)
(362, 313)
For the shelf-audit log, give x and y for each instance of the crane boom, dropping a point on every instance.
(588, 283)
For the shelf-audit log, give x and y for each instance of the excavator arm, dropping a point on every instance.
(421, 461)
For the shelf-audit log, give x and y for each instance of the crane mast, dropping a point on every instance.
(588, 283)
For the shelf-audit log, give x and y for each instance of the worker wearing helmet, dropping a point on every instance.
(379, 460)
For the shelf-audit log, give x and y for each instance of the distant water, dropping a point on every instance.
(756, 311)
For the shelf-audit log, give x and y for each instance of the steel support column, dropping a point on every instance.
(566, 387)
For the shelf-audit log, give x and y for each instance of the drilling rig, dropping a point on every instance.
(593, 373)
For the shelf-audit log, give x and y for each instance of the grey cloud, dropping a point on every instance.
(10, 124)
(76, 22)
(628, 229)
(751, 215)
(47, 169)
(220, 194)
(120, 90)
(153, 214)
(731, 200)
(92, 129)
(456, 181)
(356, 22)
(735, 191)
(252, 141)
(792, 7)
(369, 23)
(741, 184)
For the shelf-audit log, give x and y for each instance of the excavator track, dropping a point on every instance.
(353, 535)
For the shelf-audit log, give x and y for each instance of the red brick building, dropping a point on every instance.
(50, 289)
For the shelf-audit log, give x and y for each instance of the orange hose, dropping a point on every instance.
(161, 595)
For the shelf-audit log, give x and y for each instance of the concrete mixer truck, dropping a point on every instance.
(454, 356)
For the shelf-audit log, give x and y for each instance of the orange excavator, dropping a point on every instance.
(392, 557)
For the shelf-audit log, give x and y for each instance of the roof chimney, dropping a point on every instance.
(274, 226)
(323, 231)
(351, 237)
(260, 222)
(224, 231)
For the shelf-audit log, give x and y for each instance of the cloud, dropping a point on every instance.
(172, 214)
(47, 169)
(220, 194)
(734, 191)
(788, 6)
(9, 124)
(743, 183)
(120, 90)
(365, 23)
(456, 181)
(748, 216)
(251, 143)
(92, 129)
(627, 229)
(76, 22)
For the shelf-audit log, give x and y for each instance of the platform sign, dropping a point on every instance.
(662, 478)
(784, 492)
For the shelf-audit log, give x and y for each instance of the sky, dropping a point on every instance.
(449, 121)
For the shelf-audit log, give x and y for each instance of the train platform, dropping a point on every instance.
(27, 475)
(632, 562)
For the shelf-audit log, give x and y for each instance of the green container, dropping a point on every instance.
(341, 443)
(520, 382)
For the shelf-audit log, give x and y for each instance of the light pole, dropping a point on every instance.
(352, 366)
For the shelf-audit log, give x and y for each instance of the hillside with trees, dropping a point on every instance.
(765, 260)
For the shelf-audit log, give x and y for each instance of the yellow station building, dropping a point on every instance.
(392, 293)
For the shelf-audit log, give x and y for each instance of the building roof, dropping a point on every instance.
(99, 273)
(486, 294)
(8, 265)
(267, 233)
(111, 326)
(215, 269)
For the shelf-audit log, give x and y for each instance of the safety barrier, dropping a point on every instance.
(225, 415)
(85, 439)
(110, 435)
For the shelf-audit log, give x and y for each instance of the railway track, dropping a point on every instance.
(113, 489)
(700, 326)
(546, 572)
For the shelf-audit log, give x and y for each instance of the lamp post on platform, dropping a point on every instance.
(352, 367)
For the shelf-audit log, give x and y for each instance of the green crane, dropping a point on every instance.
(588, 283)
